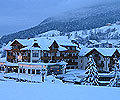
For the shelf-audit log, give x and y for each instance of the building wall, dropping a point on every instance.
(103, 63)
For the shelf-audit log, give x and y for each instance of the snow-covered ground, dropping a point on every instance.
(53, 90)
(10, 90)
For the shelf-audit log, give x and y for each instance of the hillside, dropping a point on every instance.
(75, 20)
(111, 32)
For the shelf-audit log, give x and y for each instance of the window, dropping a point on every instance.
(76, 67)
(76, 60)
(28, 71)
(53, 54)
(48, 54)
(9, 60)
(24, 70)
(36, 45)
(70, 54)
(73, 48)
(25, 54)
(69, 48)
(33, 71)
(16, 47)
(96, 55)
(45, 54)
(73, 54)
(81, 67)
(37, 71)
(72, 67)
(35, 54)
(81, 61)
(20, 70)
(45, 61)
(58, 54)
(73, 60)
(9, 54)
(67, 67)
(70, 60)
(35, 61)
(52, 47)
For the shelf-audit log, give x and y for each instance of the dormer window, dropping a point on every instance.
(53, 47)
(73, 48)
(36, 45)
(69, 48)
(45, 54)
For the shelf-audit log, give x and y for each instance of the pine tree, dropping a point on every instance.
(91, 77)
(114, 82)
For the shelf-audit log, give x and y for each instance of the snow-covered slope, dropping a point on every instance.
(11, 90)
(110, 31)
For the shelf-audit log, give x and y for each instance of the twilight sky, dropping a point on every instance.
(16, 15)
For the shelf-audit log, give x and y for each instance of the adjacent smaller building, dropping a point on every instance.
(104, 58)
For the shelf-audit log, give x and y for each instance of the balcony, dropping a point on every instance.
(72, 63)
(70, 57)
(45, 58)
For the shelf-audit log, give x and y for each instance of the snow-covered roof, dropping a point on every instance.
(62, 48)
(8, 47)
(103, 51)
(45, 42)
(106, 41)
(25, 42)
(106, 51)
(84, 51)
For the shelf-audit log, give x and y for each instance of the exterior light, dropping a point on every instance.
(20, 57)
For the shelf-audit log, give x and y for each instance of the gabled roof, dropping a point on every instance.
(16, 40)
(54, 43)
(103, 51)
(106, 51)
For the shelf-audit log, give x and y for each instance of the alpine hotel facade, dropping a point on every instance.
(43, 50)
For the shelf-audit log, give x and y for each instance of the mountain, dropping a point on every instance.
(75, 20)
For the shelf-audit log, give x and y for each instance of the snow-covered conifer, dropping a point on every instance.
(114, 82)
(91, 77)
